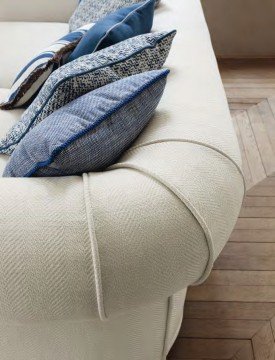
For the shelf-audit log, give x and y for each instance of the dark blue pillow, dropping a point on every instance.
(118, 26)
(92, 131)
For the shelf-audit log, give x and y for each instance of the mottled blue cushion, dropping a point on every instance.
(123, 24)
(141, 53)
(91, 132)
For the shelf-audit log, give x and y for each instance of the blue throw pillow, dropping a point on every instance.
(91, 11)
(91, 132)
(139, 54)
(118, 26)
(35, 73)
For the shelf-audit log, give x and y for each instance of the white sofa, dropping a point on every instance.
(96, 267)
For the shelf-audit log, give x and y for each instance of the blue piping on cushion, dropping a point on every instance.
(122, 103)
(121, 22)
(83, 73)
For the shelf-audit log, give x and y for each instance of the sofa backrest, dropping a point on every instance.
(37, 10)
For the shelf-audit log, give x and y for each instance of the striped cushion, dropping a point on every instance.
(35, 73)
(132, 56)
(91, 132)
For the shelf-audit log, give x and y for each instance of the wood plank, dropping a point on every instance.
(255, 223)
(206, 348)
(262, 139)
(259, 201)
(257, 212)
(247, 81)
(269, 181)
(245, 101)
(229, 310)
(245, 353)
(271, 102)
(250, 92)
(239, 106)
(220, 328)
(262, 191)
(263, 344)
(234, 112)
(248, 235)
(268, 119)
(260, 263)
(232, 293)
(272, 323)
(236, 277)
(249, 249)
(245, 167)
(247, 69)
(269, 86)
(251, 149)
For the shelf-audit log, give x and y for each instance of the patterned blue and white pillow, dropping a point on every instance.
(91, 132)
(135, 55)
(35, 73)
(90, 11)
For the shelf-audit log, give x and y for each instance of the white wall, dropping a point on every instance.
(241, 28)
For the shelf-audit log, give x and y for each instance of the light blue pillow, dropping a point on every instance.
(91, 132)
(121, 25)
(139, 54)
(35, 73)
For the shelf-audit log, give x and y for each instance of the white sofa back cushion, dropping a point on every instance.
(26, 39)
(37, 10)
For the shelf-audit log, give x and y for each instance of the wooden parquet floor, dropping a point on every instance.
(232, 315)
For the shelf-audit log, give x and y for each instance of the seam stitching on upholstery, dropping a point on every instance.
(175, 335)
(195, 143)
(94, 248)
(191, 208)
(167, 325)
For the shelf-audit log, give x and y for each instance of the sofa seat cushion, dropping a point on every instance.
(20, 41)
(7, 119)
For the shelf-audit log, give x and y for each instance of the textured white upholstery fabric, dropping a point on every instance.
(20, 41)
(138, 334)
(100, 247)
(37, 10)
(174, 320)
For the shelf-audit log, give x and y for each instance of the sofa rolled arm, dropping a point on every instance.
(37, 10)
(159, 219)
(103, 243)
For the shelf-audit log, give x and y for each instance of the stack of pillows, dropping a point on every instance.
(90, 94)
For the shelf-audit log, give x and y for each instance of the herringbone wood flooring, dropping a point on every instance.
(232, 315)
